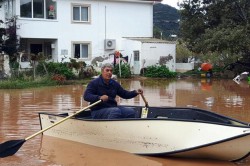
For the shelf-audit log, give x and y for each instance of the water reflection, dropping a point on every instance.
(19, 118)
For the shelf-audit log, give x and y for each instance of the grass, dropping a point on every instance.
(21, 84)
(40, 82)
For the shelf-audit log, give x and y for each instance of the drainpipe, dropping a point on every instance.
(105, 15)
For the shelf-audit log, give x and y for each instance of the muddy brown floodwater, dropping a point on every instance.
(19, 119)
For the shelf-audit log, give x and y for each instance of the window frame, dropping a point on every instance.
(88, 43)
(44, 8)
(88, 6)
(136, 55)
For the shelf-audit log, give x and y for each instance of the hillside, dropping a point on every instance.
(166, 18)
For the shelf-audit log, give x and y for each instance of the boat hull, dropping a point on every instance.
(155, 137)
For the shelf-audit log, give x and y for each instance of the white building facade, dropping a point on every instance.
(85, 29)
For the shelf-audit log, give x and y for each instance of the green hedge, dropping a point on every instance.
(157, 71)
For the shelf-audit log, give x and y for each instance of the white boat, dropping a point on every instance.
(180, 132)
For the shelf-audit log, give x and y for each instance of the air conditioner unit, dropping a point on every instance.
(109, 44)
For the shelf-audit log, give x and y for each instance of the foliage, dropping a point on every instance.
(217, 26)
(77, 65)
(56, 68)
(159, 72)
(24, 83)
(9, 39)
(157, 32)
(87, 72)
(218, 59)
(2, 33)
(182, 53)
(60, 79)
(125, 71)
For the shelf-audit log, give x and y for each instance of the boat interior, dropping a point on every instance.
(177, 113)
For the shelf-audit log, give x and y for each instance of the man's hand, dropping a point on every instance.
(139, 91)
(104, 98)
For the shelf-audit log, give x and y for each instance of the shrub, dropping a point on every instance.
(60, 79)
(57, 68)
(159, 72)
(21, 83)
(125, 71)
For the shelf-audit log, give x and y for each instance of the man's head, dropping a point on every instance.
(107, 70)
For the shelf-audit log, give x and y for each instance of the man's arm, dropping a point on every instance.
(90, 93)
(126, 94)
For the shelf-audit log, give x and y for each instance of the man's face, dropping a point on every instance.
(107, 73)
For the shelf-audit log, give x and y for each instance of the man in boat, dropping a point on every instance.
(104, 88)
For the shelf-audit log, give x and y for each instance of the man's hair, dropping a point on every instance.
(107, 65)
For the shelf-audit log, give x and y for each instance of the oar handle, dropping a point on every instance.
(145, 101)
(62, 120)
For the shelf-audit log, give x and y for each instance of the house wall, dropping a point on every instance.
(129, 46)
(109, 19)
(153, 51)
(150, 53)
(2, 13)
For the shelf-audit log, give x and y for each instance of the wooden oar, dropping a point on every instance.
(145, 101)
(9, 148)
(144, 113)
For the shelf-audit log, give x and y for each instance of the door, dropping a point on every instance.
(36, 48)
(136, 62)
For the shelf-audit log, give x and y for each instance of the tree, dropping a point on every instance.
(8, 38)
(182, 53)
(157, 32)
(220, 26)
(2, 34)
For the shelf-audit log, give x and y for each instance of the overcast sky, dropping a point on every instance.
(172, 3)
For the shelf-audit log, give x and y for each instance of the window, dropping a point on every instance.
(81, 13)
(136, 56)
(81, 50)
(36, 9)
(25, 8)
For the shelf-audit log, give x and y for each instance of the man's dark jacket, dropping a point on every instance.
(96, 88)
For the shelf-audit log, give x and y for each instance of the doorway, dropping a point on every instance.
(136, 62)
(36, 48)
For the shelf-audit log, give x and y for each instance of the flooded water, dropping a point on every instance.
(19, 119)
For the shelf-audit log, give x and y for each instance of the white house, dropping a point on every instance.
(88, 29)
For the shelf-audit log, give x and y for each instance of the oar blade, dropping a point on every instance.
(9, 148)
(144, 112)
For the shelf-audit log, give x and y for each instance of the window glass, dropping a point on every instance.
(81, 13)
(81, 50)
(25, 7)
(38, 8)
(77, 50)
(76, 13)
(50, 9)
(84, 51)
(136, 56)
(84, 14)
